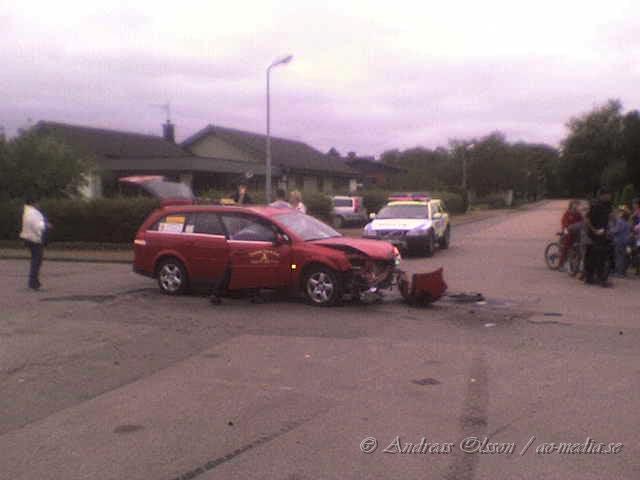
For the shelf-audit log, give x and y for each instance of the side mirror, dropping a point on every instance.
(372, 216)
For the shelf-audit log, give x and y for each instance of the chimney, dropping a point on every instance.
(169, 132)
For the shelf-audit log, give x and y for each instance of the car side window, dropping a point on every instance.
(248, 228)
(172, 223)
(208, 223)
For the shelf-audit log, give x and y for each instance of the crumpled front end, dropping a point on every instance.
(368, 276)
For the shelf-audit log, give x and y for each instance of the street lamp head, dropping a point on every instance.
(281, 61)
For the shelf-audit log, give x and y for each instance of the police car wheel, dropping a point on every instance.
(446, 238)
(430, 246)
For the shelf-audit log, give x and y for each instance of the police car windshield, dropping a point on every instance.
(403, 211)
(306, 227)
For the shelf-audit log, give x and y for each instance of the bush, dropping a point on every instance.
(10, 219)
(318, 205)
(626, 196)
(495, 200)
(105, 220)
(454, 202)
(374, 200)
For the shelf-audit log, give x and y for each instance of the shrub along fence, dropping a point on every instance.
(113, 220)
(116, 220)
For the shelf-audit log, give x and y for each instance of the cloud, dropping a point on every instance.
(366, 76)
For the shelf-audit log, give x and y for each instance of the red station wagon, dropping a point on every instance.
(257, 248)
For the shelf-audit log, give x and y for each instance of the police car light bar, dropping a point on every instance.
(410, 196)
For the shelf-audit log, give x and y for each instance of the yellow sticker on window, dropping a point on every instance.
(175, 219)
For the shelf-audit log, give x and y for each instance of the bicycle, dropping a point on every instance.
(552, 252)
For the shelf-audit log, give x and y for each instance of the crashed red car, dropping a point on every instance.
(259, 248)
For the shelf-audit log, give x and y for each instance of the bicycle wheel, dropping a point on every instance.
(552, 255)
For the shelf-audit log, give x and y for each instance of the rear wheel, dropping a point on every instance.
(552, 255)
(322, 286)
(172, 276)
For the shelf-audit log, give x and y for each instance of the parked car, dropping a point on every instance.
(348, 211)
(258, 247)
(415, 224)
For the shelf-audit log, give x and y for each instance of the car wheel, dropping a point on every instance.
(322, 286)
(430, 246)
(172, 276)
(338, 222)
(446, 238)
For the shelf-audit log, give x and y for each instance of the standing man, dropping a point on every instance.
(34, 230)
(241, 197)
(597, 222)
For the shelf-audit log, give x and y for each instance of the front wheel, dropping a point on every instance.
(322, 286)
(552, 255)
(446, 239)
(172, 276)
(430, 247)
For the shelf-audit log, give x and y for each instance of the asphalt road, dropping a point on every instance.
(102, 377)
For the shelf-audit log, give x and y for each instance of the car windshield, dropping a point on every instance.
(306, 227)
(403, 211)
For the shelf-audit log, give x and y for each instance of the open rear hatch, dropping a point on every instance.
(169, 193)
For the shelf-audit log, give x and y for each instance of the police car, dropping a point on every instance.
(412, 222)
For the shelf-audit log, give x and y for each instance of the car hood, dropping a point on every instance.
(399, 223)
(375, 249)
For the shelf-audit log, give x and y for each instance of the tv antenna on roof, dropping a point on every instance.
(166, 107)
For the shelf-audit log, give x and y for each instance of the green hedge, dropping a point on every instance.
(113, 220)
(116, 220)
(319, 205)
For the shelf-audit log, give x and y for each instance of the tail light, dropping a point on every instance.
(356, 204)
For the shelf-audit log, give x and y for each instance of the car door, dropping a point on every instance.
(256, 256)
(208, 250)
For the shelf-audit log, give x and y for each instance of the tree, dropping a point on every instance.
(631, 145)
(593, 144)
(41, 166)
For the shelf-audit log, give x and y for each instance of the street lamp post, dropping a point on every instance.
(281, 61)
(465, 190)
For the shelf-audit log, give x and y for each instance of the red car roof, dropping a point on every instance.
(259, 209)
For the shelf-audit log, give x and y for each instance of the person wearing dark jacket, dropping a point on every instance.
(241, 197)
(597, 222)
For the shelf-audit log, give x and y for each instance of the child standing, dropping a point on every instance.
(621, 234)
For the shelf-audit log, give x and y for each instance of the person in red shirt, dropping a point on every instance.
(570, 217)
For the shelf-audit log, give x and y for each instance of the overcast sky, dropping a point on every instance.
(366, 75)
